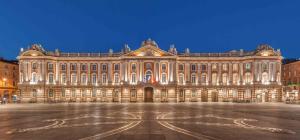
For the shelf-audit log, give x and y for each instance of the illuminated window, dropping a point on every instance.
(214, 66)
(194, 93)
(265, 78)
(148, 76)
(248, 93)
(94, 92)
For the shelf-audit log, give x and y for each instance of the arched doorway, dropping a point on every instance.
(148, 94)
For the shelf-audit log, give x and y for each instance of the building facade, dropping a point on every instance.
(291, 81)
(9, 75)
(150, 74)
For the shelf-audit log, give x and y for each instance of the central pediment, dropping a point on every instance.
(149, 48)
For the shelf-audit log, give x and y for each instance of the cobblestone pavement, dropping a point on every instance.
(150, 121)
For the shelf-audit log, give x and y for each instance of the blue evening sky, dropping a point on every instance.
(201, 25)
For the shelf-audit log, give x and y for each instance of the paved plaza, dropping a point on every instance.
(150, 121)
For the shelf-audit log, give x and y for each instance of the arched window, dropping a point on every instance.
(116, 78)
(224, 78)
(83, 78)
(148, 76)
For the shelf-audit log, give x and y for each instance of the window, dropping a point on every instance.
(234, 94)
(214, 78)
(33, 78)
(164, 78)
(63, 92)
(83, 93)
(133, 78)
(34, 66)
(73, 78)
(224, 78)
(278, 77)
(50, 78)
(181, 78)
(181, 67)
(133, 93)
(116, 78)
(104, 67)
(94, 67)
(248, 78)
(203, 78)
(235, 78)
(194, 67)
(248, 66)
(265, 67)
(214, 66)
(116, 67)
(163, 67)
(50, 93)
(103, 78)
(83, 67)
(235, 67)
(94, 93)
(148, 76)
(248, 93)
(148, 66)
(224, 67)
(73, 66)
(50, 66)
(104, 93)
(194, 93)
(163, 92)
(83, 79)
(94, 78)
(73, 92)
(203, 67)
(63, 78)
(133, 67)
(63, 67)
(193, 79)
(34, 92)
(265, 78)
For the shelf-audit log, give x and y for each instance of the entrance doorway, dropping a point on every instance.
(148, 94)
